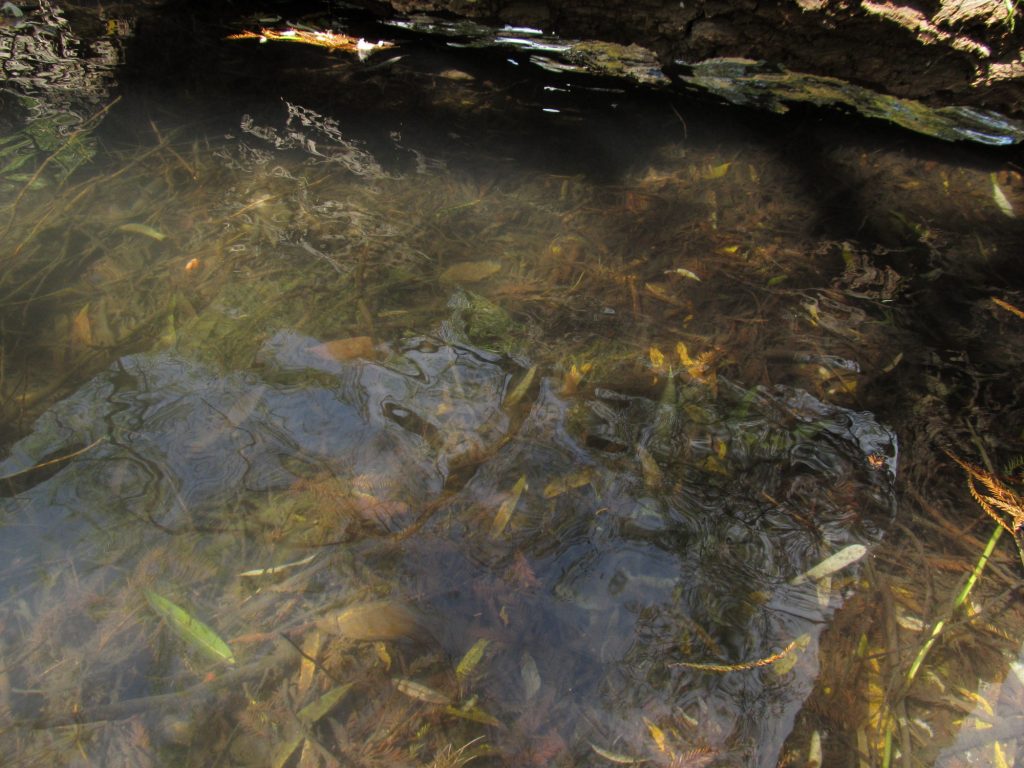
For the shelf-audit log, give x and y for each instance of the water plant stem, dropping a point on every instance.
(959, 601)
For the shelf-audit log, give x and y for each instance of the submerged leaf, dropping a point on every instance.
(1002, 202)
(143, 229)
(307, 667)
(474, 714)
(285, 750)
(572, 378)
(308, 716)
(345, 349)
(657, 358)
(742, 666)
(470, 271)
(377, 620)
(521, 388)
(569, 482)
(616, 757)
(530, 674)
(81, 328)
(311, 713)
(189, 628)
(841, 559)
(715, 171)
(657, 734)
(472, 658)
(275, 569)
(507, 507)
(420, 692)
(681, 272)
(653, 477)
(785, 665)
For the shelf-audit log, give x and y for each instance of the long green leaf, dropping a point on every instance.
(308, 717)
(189, 628)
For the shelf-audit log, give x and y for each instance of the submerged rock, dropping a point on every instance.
(609, 592)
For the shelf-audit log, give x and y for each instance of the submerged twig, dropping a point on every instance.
(51, 462)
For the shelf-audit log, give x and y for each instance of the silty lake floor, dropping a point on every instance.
(474, 432)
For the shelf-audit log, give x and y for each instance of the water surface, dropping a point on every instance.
(488, 414)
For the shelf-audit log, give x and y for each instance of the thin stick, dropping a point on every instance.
(58, 460)
(681, 120)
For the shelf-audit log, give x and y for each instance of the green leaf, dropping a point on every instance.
(311, 713)
(471, 659)
(189, 628)
(142, 229)
(308, 716)
(474, 714)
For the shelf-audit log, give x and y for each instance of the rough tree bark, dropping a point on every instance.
(942, 52)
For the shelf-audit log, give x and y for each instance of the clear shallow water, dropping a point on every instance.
(418, 345)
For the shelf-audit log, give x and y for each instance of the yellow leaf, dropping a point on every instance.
(684, 355)
(507, 507)
(657, 358)
(568, 482)
(715, 171)
(573, 377)
(657, 734)
(81, 328)
(999, 758)
(521, 388)
(652, 472)
(381, 649)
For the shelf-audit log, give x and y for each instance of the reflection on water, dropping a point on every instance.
(515, 449)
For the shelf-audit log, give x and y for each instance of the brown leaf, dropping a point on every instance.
(81, 329)
(345, 349)
(376, 620)
(470, 271)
